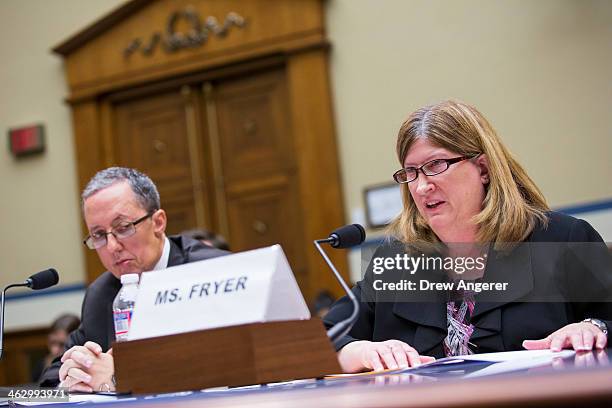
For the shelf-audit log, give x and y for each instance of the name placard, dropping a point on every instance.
(247, 287)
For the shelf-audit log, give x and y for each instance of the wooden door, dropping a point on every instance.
(223, 156)
(258, 166)
(160, 135)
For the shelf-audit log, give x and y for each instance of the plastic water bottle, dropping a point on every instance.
(123, 305)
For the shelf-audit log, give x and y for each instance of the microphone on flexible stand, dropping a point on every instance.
(40, 280)
(343, 237)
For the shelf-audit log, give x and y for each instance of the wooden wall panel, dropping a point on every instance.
(319, 174)
(258, 164)
(90, 150)
(22, 351)
(268, 213)
(254, 122)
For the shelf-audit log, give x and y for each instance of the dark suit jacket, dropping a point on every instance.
(502, 325)
(97, 310)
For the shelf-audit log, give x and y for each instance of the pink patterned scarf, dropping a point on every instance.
(460, 330)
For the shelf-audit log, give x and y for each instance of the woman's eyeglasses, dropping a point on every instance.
(431, 168)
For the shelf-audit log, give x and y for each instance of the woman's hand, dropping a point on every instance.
(579, 336)
(367, 355)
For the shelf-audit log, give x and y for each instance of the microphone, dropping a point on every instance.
(343, 237)
(347, 236)
(41, 280)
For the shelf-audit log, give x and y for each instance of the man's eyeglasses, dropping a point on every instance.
(124, 230)
(431, 168)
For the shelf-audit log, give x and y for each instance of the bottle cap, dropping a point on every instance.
(129, 278)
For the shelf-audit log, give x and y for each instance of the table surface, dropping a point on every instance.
(584, 379)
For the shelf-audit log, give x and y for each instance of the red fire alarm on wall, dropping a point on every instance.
(27, 140)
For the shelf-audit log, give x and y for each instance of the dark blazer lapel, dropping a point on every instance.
(111, 289)
(110, 324)
(487, 336)
(430, 318)
(176, 256)
(487, 324)
(427, 310)
(422, 313)
(514, 269)
(422, 307)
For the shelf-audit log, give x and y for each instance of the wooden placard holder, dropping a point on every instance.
(230, 356)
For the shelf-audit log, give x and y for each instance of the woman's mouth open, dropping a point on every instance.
(434, 204)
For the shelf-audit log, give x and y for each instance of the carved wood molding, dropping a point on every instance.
(153, 40)
(173, 40)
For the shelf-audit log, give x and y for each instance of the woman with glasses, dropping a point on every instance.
(465, 197)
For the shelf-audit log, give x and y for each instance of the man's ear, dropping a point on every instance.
(159, 222)
(482, 162)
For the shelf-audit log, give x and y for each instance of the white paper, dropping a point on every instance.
(504, 362)
(519, 360)
(77, 399)
(509, 356)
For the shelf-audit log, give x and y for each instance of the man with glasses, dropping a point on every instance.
(126, 224)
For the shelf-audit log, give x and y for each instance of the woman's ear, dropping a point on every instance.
(482, 162)
(159, 222)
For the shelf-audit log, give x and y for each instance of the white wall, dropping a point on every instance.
(39, 213)
(539, 70)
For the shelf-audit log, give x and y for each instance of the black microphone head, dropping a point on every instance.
(348, 236)
(43, 279)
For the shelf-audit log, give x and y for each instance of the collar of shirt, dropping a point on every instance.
(163, 260)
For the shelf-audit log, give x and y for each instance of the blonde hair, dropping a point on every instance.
(513, 204)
